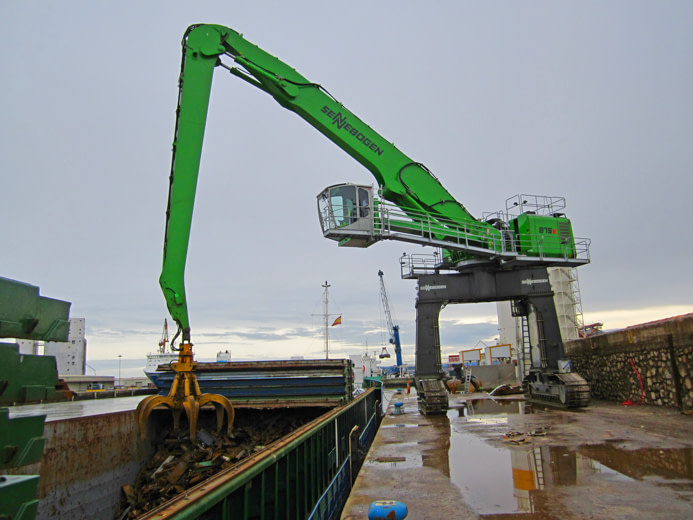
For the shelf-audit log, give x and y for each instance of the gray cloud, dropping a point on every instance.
(548, 98)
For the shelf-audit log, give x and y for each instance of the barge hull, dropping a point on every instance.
(92, 449)
(305, 475)
(260, 384)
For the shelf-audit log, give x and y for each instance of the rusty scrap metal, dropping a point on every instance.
(183, 462)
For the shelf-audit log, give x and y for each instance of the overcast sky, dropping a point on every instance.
(586, 100)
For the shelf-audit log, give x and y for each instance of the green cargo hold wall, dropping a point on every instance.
(27, 315)
(658, 355)
(26, 378)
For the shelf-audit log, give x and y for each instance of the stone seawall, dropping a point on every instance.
(658, 355)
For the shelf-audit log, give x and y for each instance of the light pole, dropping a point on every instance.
(119, 356)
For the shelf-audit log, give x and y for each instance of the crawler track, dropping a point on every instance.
(559, 390)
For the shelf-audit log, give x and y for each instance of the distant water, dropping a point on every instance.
(128, 367)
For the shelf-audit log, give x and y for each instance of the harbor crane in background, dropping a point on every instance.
(164, 338)
(392, 327)
(410, 205)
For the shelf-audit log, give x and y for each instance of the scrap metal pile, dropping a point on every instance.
(180, 463)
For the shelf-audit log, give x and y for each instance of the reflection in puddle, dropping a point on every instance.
(610, 473)
(400, 462)
(487, 420)
(637, 464)
(489, 411)
(523, 479)
(533, 477)
(483, 473)
(491, 406)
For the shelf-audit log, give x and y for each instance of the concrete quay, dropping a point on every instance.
(502, 458)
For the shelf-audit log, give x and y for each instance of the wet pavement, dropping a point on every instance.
(73, 409)
(506, 459)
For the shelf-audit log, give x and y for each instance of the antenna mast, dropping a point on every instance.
(326, 318)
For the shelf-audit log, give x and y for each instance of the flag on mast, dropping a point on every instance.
(338, 321)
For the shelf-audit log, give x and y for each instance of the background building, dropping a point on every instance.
(70, 356)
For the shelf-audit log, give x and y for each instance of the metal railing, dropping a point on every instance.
(478, 239)
(394, 223)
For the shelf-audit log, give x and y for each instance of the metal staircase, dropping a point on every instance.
(520, 312)
(538, 467)
(526, 362)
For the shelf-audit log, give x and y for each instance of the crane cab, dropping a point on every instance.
(346, 213)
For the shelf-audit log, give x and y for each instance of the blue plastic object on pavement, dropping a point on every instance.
(387, 510)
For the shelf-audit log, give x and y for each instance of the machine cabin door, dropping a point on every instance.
(346, 214)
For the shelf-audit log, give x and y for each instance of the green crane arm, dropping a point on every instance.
(404, 182)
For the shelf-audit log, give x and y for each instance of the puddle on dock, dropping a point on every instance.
(523, 479)
(538, 480)
(475, 407)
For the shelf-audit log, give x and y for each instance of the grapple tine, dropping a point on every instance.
(220, 416)
(176, 418)
(221, 404)
(192, 410)
(185, 395)
(145, 407)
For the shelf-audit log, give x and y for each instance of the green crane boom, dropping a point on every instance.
(407, 184)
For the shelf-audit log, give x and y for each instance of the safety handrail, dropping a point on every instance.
(388, 221)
